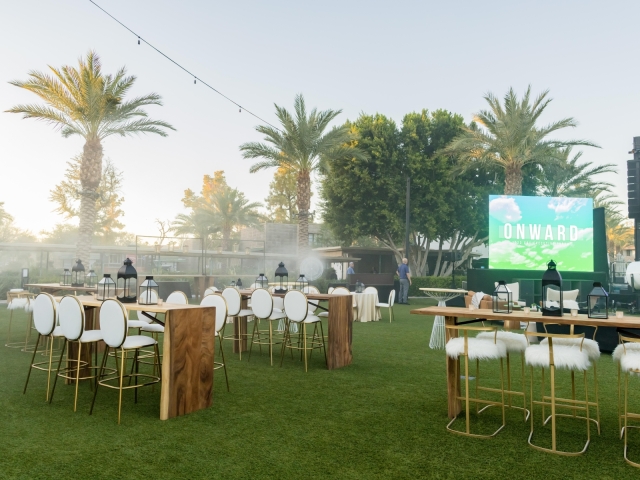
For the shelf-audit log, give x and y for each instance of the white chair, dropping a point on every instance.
(342, 291)
(569, 298)
(19, 299)
(72, 322)
(236, 312)
(553, 357)
(296, 307)
(313, 304)
(475, 349)
(627, 355)
(210, 291)
(514, 288)
(389, 305)
(45, 318)
(262, 306)
(371, 290)
(220, 303)
(175, 298)
(330, 289)
(113, 325)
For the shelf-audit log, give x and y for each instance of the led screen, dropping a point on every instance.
(526, 232)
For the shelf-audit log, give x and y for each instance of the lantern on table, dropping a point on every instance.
(106, 287)
(502, 298)
(552, 292)
(359, 286)
(91, 280)
(77, 274)
(127, 283)
(282, 276)
(65, 278)
(239, 284)
(598, 302)
(233, 284)
(302, 284)
(149, 292)
(262, 281)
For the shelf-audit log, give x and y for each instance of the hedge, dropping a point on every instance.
(432, 282)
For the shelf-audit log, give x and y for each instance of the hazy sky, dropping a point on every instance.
(387, 57)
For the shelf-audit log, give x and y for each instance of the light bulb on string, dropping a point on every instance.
(194, 80)
(138, 40)
(240, 110)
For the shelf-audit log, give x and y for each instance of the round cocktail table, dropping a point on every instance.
(442, 295)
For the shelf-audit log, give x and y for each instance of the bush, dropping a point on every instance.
(321, 284)
(432, 282)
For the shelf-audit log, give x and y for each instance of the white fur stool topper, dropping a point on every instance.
(620, 350)
(564, 357)
(17, 303)
(589, 346)
(478, 349)
(515, 342)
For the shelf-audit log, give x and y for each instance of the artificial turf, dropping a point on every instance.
(382, 417)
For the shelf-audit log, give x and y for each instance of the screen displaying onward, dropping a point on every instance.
(526, 232)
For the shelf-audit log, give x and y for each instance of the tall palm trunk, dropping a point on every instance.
(226, 238)
(513, 180)
(90, 175)
(304, 200)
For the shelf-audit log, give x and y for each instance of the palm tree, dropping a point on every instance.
(563, 176)
(199, 223)
(302, 147)
(232, 211)
(83, 101)
(509, 138)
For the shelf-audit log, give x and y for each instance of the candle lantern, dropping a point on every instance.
(233, 284)
(359, 286)
(149, 292)
(502, 299)
(65, 278)
(77, 274)
(262, 281)
(91, 280)
(127, 283)
(239, 284)
(598, 302)
(551, 292)
(302, 284)
(282, 276)
(106, 288)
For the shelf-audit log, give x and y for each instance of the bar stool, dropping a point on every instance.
(476, 349)
(262, 306)
(114, 328)
(72, 322)
(627, 355)
(18, 299)
(567, 357)
(235, 311)
(45, 319)
(220, 303)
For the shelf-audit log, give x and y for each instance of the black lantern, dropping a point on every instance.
(77, 274)
(598, 302)
(262, 281)
(127, 283)
(149, 292)
(65, 278)
(91, 280)
(302, 284)
(359, 286)
(551, 291)
(283, 275)
(106, 287)
(239, 283)
(502, 298)
(233, 284)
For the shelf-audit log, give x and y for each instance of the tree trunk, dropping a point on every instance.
(90, 175)
(304, 196)
(513, 180)
(226, 238)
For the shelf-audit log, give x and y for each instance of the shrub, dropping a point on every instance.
(432, 282)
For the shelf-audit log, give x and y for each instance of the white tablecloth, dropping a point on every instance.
(442, 295)
(366, 303)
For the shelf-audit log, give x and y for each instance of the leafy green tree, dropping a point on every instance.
(282, 200)
(510, 138)
(198, 223)
(303, 146)
(86, 102)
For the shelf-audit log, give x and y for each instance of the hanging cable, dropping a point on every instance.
(184, 69)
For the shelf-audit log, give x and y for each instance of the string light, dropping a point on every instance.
(184, 69)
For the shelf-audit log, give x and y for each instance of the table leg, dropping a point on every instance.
(340, 332)
(453, 374)
(437, 340)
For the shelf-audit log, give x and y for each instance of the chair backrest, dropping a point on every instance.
(261, 303)
(340, 291)
(296, 306)
(71, 314)
(220, 303)
(44, 314)
(210, 290)
(392, 297)
(554, 295)
(113, 323)
(313, 304)
(371, 290)
(149, 294)
(177, 298)
(234, 301)
(254, 286)
(330, 289)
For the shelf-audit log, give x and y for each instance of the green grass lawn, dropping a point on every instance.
(382, 417)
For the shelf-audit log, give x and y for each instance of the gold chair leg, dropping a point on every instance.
(33, 357)
(224, 363)
(49, 369)
(304, 337)
(75, 400)
(55, 379)
(100, 372)
(253, 336)
(595, 385)
(124, 356)
(324, 346)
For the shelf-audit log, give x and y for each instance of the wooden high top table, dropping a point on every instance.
(452, 314)
(53, 288)
(187, 354)
(339, 352)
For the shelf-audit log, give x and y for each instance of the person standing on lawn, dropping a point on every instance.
(404, 274)
(351, 270)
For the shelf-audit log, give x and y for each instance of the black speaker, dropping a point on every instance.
(633, 180)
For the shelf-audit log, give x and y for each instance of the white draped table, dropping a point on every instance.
(442, 295)
(367, 311)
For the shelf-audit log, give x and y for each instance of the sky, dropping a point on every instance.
(362, 57)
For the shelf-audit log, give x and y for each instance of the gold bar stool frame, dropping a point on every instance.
(19, 299)
(262, 306)
(220, 303)
(627, 354)
(234, 306)
(554, 357)
(476, 349)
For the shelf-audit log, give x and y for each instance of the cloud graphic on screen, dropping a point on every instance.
(505, 209)
(565, 205)
(513, 253)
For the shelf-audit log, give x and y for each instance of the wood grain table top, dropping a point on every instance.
(88, 301)
(57, 286)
